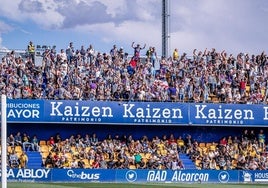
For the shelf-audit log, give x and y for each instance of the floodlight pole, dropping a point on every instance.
(165, 28)
(4, 140)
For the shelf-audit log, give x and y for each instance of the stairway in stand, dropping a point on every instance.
(187, 162)
(34, 159)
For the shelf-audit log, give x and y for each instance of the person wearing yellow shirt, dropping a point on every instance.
(31, 51)
(181, 145)
(252, 153)
(161, 149)
(175, 55)
(23, 159)
(66, 163)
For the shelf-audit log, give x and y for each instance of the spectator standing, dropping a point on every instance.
(242, 86)
(114, 52)
(252, 136)
(153, 56)
(175, 55)
(137, 50)
(245, 136)
(90, 53)
(181, 92)
(83, 53)
(189, 141)
(62, 56)
(261, 139)
(31, 51)
(70, 52)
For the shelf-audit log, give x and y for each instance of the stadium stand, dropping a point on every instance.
(85, 74)
(245, 151)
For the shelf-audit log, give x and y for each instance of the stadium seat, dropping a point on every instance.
(42, 142)
(180, 143)
(44, 148)
(202, 144)
(132, 167)
(205, 150)
(197, 163)
(9, 149)
(208, 144)
(18, 149)
(212, 148)
(44, 154)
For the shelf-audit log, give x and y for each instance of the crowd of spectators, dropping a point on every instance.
(247, 151)
(17, 147)
(85, 74)
(112, 153)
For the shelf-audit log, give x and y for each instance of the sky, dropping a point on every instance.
(231, 25)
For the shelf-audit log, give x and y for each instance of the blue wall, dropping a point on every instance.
(200, 133)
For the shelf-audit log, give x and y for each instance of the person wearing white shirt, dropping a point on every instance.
(63, 56)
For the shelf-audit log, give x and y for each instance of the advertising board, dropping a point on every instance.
(135, 113)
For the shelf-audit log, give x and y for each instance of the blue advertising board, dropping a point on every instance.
(25, 110)
(120, 175)
(173, 176)
(259, 176)
(83, 175)
(98, 112)
(132, 176)
(24, 174)
(228, 114)
(135, 113)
